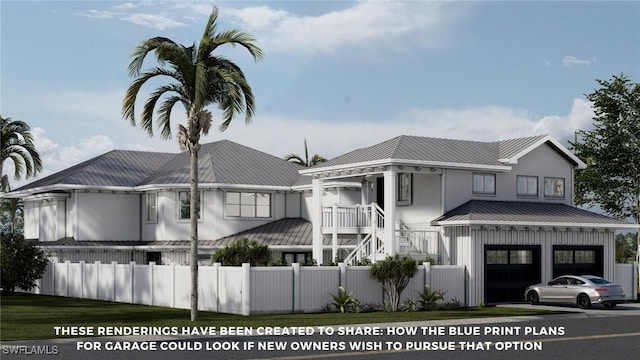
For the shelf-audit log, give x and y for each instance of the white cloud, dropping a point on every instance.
(155, 21)
(364, 25)
(99, 14)
(571, 61)
(564, 126)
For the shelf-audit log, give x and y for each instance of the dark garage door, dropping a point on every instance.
(577, 260)
(508, 271)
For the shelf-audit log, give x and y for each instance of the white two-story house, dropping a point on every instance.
(503, 209)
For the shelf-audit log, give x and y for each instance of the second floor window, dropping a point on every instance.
(184, 205)
(152, 207)
(484, 184)
(554, 187)
(527, 185)
(248, 204)
(404, 189)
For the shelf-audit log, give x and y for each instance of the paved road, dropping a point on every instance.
(593, 334)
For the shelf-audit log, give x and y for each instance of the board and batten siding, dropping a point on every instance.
(468, 249)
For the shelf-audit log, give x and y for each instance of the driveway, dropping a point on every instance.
(596, 310)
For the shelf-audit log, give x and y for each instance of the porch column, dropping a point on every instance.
(316, 219)
(391, 247)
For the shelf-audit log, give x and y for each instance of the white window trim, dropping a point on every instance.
(232, 217)
(179, 206)
(484, 193)
(525, 194)
(146, 199)
(564, 188)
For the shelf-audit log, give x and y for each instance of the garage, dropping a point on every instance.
(577, 260)
(509, 270)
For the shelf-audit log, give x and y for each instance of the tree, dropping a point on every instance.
(17, 145)
(306, 162)
(21, 263)
(394, 274)
(243, 251)
(611, 150)
(200, 79)
(11, 212)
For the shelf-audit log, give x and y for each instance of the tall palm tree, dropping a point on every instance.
(199, 79)
(306, 162)
(18, 146)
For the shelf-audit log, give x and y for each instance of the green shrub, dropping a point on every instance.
(21, 263)
(394, 274)
(243, 251)
(429, 298)
(345, 302)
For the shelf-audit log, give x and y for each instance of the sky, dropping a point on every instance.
(340, 74)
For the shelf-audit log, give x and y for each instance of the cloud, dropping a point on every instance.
(100, 14)
(155, 21)
(571, 61)
(398, 25)
(564, 126)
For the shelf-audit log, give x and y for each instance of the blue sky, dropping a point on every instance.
(341, 74)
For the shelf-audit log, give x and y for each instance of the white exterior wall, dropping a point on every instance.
(31, 219)
(213, 223)
(108, 216)
(541, 162)
(467, 248)
(425, 205)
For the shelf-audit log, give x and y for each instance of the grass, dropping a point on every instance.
(32, 317)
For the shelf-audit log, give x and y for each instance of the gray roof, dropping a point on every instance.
(427, 149)
(115, 168)
(227, 162)
(526, 213)
(221, 162)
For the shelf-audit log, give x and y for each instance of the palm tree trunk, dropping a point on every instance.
(195, 206)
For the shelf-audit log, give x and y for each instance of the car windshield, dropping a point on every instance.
(599, 281)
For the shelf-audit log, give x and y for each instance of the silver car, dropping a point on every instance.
(582, 290)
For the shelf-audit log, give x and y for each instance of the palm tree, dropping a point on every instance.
(200, 79)
(306, 162)
(13, 209)
(18, 146)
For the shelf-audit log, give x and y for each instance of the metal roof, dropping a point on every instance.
(437, 150)
(221, 162)
(115, 168)
(481, 212)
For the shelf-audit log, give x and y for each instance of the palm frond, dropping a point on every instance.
(141, 51)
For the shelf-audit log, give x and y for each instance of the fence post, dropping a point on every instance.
(53, 279)
(66, 276)
(132, 265)
(173, 283)
(115, 280)
(82, 279)
(343, 274)
(151, 287)
(246, 289)
(427, 274)
(97, 269)
(216, 287)
(296, 287)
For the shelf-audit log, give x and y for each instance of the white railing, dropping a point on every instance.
(352, 216)
(418, 239)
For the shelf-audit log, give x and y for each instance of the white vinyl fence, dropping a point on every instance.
(237, 290)
(627, 276)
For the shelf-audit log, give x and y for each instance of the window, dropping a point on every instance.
(152, 207)
(527, 185)
(246, 204)
(484, 184)
(404, 189)
(495, 257)
(520, 257)
(184, 205)
(554, 187)
(574, 257)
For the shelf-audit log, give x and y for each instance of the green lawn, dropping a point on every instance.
(30, 317)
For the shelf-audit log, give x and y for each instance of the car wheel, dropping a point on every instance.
(583, 301)
(532, 297)
(609, 305)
